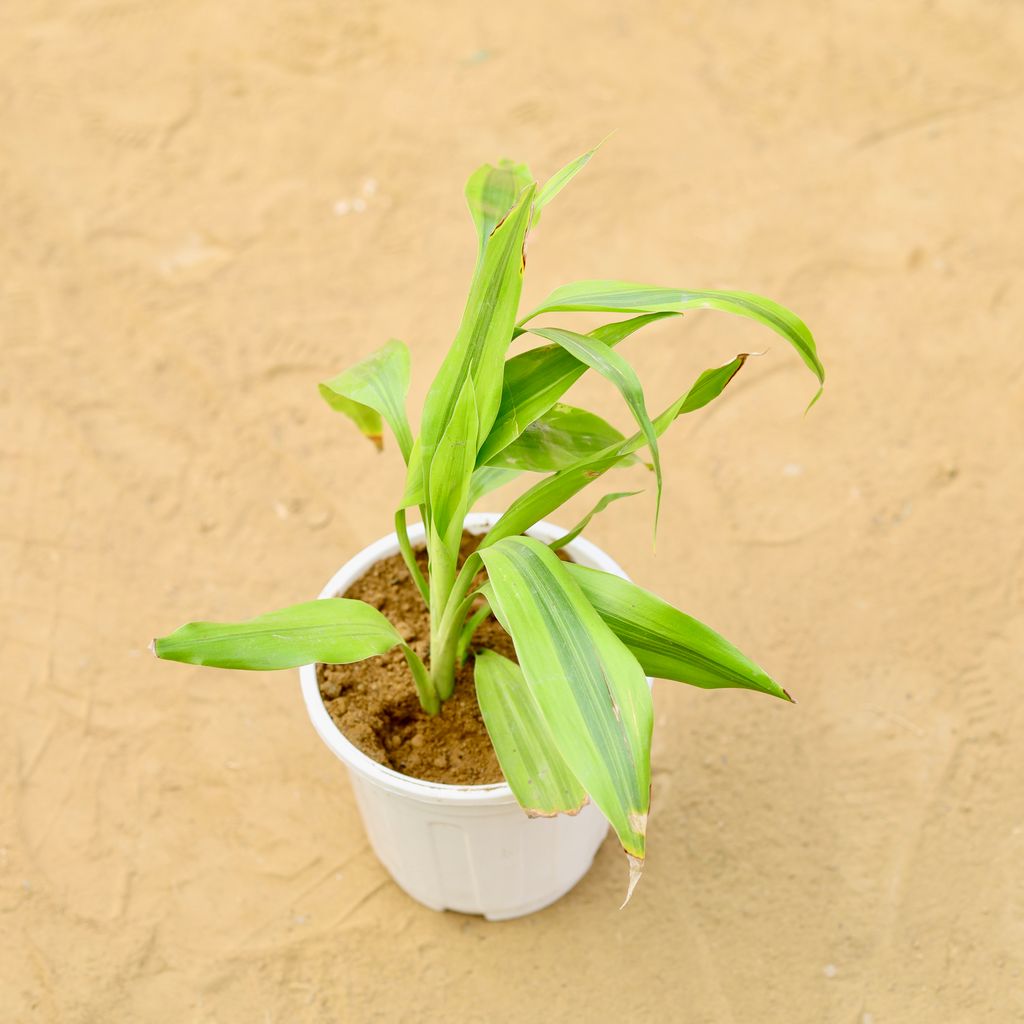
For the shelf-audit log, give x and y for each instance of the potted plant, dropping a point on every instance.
(534, 630)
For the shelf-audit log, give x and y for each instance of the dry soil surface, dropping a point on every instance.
(208, 207)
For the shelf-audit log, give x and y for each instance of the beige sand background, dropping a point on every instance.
(209, 207)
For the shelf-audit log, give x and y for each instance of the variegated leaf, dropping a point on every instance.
(589, 688)
(668, 643)
(535, 771)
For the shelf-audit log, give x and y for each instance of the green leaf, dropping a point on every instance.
(554, 491)
(559, 438)
(454, 460)
(567, 538)
(666, 642)
(375, 387)
(491, 192)
(335, 631)
(624, 297)
(706, 388)
(449, 493)
(536, 773)
(589, 688)
(614, 368)
(561, 178)
(478, 351)
(488, 478)
(536, 379)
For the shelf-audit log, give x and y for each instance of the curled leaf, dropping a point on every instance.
(373, 389)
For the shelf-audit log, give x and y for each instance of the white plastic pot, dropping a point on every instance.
(465, 848)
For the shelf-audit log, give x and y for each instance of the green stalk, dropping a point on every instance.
(444, 639)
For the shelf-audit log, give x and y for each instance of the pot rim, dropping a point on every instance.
(491, 794)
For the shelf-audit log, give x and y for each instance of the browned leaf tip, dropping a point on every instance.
(636, 867)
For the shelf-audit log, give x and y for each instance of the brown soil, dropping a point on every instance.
(374, 702)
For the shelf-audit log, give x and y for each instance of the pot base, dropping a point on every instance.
(493, 861)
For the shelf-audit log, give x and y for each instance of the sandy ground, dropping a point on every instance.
(209, 207)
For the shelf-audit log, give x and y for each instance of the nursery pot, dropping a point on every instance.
(466, 848)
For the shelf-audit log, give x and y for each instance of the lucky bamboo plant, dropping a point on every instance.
(572, 719)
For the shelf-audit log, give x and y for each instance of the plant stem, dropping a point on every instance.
(444, 639)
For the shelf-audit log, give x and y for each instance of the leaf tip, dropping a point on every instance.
(657, 519)
(814, 400)
(788, 696)
(636, 868)
(152, 648)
